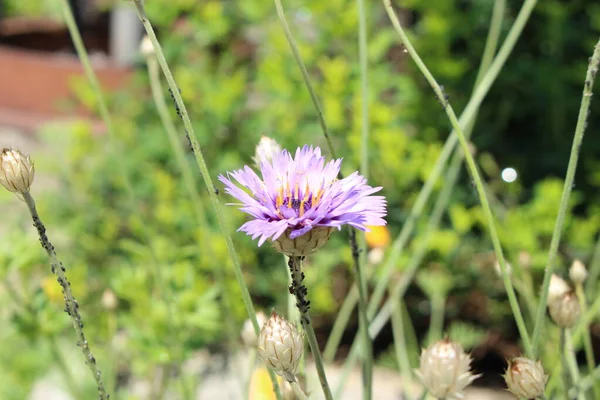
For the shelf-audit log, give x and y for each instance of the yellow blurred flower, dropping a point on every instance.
(261, 387)
(379, 236)
(52, 290)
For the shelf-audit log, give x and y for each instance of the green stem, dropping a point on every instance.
(367, 350)
(586, 383)
(572, 363)
(436, 326)
(300, 291)
(400, 347)
(340, 323)
(568, 185)
(512, 298)
(189, 183)
(587, 337)
(297, 391)
(71, 305)
(205, 175)
(592, 281)
(364, 88)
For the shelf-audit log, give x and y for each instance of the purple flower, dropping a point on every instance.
(301, 199)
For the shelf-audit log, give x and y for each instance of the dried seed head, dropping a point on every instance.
(16, 171)
(565, 310)
(305, 244)
(280, 346)
(249, 337)
(578, 273)
(445, 369)
(146, 47)
(266, 149)
(525, 378)
(558, 287)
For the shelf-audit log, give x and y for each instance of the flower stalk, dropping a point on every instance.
(71, 304)
(300, 291)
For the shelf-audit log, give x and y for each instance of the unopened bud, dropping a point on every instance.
(266, 149)
(280, 346)
(525, 378)
(565, 310)
(146, 47)
(577, 272)
(249, 337)
(558, 287)
(109, 300)
(16, 171)
(445, 369)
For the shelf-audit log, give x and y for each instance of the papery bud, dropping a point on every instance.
(266, 149)
(280, 346)
(249, 337)
(146, 47)
(558, 287)
(305, 244)
(578, 273)
(565, 310)
(16, 171)
(445, 369)
(525, 378)
(498, 270)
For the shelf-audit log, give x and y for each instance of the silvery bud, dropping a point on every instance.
(558, 287)
(577, 272)
(249, 337)
(565, 310)
(266, 149)
(146, 47)
(16, 171)
(445, 370)
(525, 378)
(280, 346)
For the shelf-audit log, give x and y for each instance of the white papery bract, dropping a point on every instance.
(578, 273)
(16, 171)
(565, 310)
(525, 378)
(445, 370)
(280, 346)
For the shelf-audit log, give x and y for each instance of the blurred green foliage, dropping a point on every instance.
(240, 82)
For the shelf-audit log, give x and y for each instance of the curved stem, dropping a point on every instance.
(571, 362)
(587, 337)
(568, 185)
(512, 298)
(212, 191)
(297, 391)
(71, 305)
(300, 291)
(64, 367)
(400, 347)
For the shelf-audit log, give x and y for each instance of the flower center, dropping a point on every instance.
(296, 199)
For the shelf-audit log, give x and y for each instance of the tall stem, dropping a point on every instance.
(71, 305)
(568, 185)
(512, 298)
(212, 191)
(297, 391)
(300, 291)
(587, 337)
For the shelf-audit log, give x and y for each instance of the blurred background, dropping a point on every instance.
(146, 276)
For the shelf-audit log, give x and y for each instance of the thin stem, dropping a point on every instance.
(188, 181)
(311, 91)
(71, 305)
(564, 361)
(300, 291)
(436, 326)
(586, 383)
(212, 191)
(367, 350)
(587, 337)
(340, 323)
(512, 298)
(364, 88)
(568, 185)
(592, 281)
(572, 363)
(298, 391)
(400, 341)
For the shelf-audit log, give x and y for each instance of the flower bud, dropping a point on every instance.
(280, 346)
(109, 300)
(565, 310)
(305, 244)
(445, 369)
(146, 47)
(266, 149)
(525, 378)
(577, 272)
(16, 171)
(249, 337)
(558, 287)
